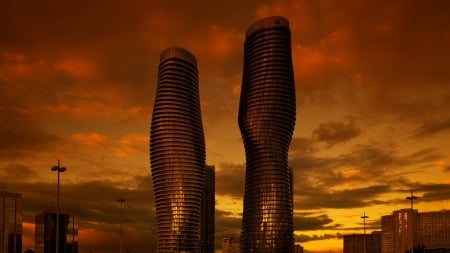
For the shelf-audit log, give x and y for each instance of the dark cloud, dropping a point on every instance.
(426, 192)
(307, 222)
(22, 134)
(302, 146)
(432, 127)
(367, 162)
(424, 156)
(16, 171)
(93, 201)
(333, 133)
(447, 168)
(316, 177)
(306, 238)
(371, 158)
(309, 162)
(371, 161)
(230, 180)
(372, 223)
(432, 191)
(307, 198)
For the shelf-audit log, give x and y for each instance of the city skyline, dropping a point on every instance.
(77, 84)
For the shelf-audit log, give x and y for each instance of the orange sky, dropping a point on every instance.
(78, 79)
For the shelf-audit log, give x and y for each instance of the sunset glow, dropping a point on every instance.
(78, 82)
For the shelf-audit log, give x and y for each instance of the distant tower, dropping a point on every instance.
(177, 153)
(10, 222)
(266, 120)
(208, 208)
(231, 245)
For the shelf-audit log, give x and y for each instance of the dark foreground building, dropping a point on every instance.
(177, 153)
(10, 222)
(45, 232)
(355, 243)
(267, 112)
(208, 208)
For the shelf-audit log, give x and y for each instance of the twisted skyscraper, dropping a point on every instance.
(177, 153)
(266, 120)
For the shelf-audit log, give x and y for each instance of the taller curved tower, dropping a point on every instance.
(266, 120)
(177, 153)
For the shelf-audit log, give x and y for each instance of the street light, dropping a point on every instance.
(121, 200)
(412, 198)
(58, 169)
(364, 217)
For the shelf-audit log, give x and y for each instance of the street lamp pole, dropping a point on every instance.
(364, 217)
(121, 200)
(412, 198)
(58, 169)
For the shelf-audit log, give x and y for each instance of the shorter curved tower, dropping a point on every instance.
(177, 153)
(266, 120)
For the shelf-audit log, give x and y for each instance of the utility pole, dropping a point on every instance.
(412, 198)
(121, 200)
(58, 169)
(364, 217)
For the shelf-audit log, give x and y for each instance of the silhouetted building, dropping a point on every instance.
(208, 208)
(387, 234)
(436, 250)
(406, 229)
(177, 153)
(354, 243)
(267, 112)
(298, 248)
(45, 232)
(231, 245)
(10, 222)
(398, 231)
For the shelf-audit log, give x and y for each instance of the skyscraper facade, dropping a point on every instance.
(177, 153)
(207, 211)
(45, 232)
(10, 222)
(267, 113)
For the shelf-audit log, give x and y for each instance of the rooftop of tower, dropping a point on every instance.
(178, 52)
(269, 22)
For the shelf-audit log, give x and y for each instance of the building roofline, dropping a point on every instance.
(10, 194)
(266, 23)
(178, 52)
